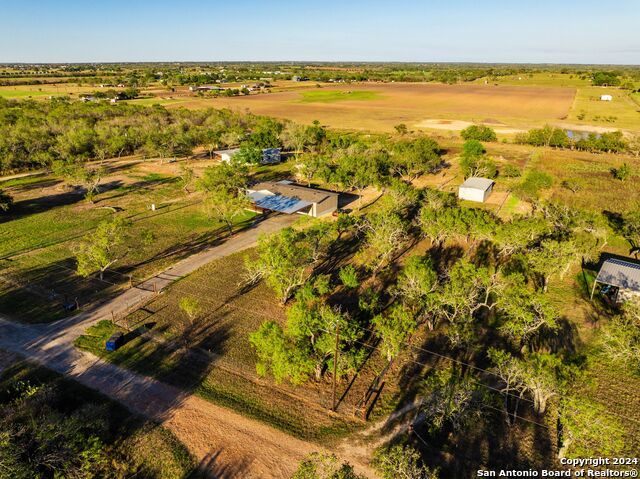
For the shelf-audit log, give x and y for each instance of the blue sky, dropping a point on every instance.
(561, 31)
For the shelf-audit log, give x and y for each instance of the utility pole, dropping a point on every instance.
(335, 369)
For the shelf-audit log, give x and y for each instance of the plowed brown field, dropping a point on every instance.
(409, 103)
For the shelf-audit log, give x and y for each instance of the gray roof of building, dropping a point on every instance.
(294, 191)
(623, 274)
(477, 183)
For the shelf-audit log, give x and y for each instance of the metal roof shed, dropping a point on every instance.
(624, 275)
(475, 189)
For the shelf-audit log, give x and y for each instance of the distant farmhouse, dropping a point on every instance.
(289, 198)
(475, 189)
(619, 280)
(270, 156)
(205, 88)
(226, 155)
(606, 98)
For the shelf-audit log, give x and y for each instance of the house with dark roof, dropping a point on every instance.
(288, 197)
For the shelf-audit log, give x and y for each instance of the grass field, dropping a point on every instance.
(597, 189)
(541, 79)
(622, 112)
(220, 364)
(145, 448)
(332, 96)
(37, 265)
(39, 91)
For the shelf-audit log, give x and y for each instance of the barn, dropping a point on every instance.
(288, 197)
(619, 280)
(475, 189)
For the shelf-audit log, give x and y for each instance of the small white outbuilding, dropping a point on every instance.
(606, 98)
(475, 189)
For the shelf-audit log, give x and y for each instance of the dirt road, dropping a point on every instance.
(227, 444)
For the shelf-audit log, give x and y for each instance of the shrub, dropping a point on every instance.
(349, 276)
(533, 182)
(511, 171)
(478, 132)
(6, 201)
(622, 173)
(571, 185)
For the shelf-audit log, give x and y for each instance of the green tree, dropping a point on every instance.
(474, 162)
(401, 129)
(450, 400)
(349, 276)
(525, 311)
(478, 132)
(417, 285)
(551, 258)
(39, 440)
(186, 176)
(248, 154)
(101, 249)
(191, 308)
(284, 261)
(308, 165)
(412, 158)
(622, 173)
(537, 375)
(394, 329)
(619, 340)
(78, 173)
(402, 462)
(468, 290)
(280, 355)
(226, 207)
(386, 232)
(533, 182)
(231, 178)
(296, 137)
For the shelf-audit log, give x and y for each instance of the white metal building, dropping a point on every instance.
(606, 98)
(475, 189)
(226, 155)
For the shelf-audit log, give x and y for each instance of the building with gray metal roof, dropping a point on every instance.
(622, 275)
(475, 189)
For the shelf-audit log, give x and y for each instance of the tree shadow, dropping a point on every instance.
(210, 467)
(564, 339)
(42, 204)
(39, 294)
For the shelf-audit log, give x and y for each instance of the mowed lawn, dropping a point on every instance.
(332, 96)
(220, 362)
(37, 264)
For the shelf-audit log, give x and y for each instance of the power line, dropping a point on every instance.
(418, 362)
